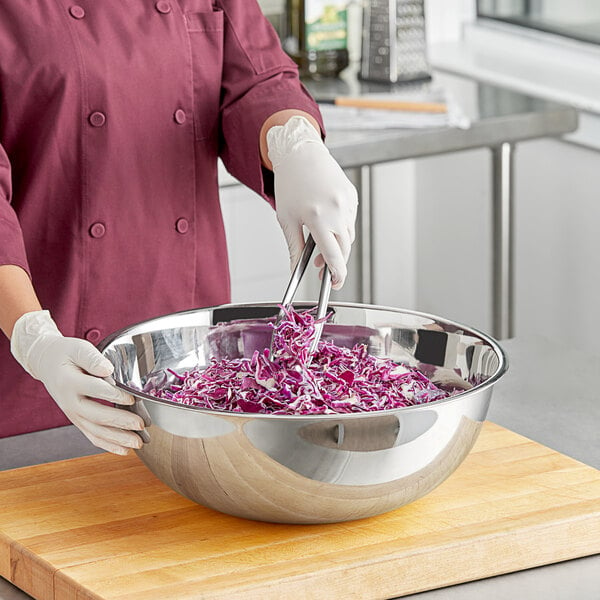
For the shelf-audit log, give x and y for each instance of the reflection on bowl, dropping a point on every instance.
(306, 468)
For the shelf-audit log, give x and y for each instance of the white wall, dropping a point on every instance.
(445, 18)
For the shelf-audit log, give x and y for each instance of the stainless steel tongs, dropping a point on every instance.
(292, 287)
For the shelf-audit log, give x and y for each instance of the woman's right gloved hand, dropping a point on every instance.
(72, 369)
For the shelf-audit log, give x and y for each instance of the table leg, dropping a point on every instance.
(503, 241)
(365, 232)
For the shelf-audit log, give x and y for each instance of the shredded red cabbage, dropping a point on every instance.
(333, 380)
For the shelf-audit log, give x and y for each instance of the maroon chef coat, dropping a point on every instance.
(112, 116)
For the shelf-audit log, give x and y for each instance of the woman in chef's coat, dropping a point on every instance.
(112, 116)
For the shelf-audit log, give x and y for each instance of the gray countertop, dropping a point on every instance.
(549, 395)
(496, 114)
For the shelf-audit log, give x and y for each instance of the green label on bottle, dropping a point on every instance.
(326, 25)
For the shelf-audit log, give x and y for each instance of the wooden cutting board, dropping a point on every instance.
(103, 527)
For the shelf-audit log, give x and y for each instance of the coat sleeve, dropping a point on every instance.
(12, 247)
(258, 79)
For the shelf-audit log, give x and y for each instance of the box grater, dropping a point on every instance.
(394, 43)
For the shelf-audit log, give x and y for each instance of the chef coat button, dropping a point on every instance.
(182, 225)
(163, 7)
(97, 230)
(77, 12)
(93, 335)
(180, 116)
(97, 119)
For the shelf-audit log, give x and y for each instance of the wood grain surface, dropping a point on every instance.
(103, 527)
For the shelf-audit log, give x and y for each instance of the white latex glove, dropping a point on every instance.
(72, 369)
(312, 190)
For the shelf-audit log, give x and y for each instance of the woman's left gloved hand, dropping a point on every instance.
(312, 190)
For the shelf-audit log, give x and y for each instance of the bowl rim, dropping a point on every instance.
(500, 371)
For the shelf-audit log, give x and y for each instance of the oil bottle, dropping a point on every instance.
(317, 36)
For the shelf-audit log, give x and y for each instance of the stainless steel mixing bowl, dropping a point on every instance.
(306, 469)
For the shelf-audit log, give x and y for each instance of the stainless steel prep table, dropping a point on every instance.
(561, 411)
(500, 118)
